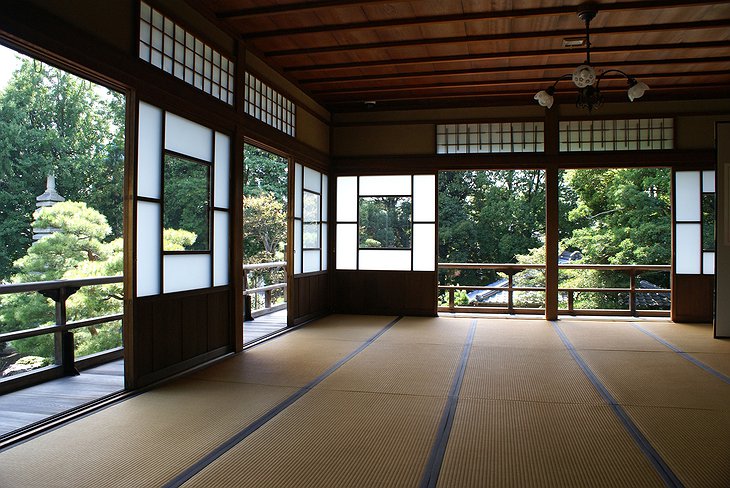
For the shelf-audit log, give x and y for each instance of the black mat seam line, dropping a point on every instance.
(652, 455)
(273, 412)
(684, 355)
(438, 450)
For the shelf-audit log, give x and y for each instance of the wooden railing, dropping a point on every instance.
(59, 291)
(512, 269)
(249, 313)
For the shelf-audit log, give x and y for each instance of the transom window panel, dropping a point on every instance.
(616, 135)
(182, 240)
(176, 51)
(694, 222)
(386, 223)
(495, 137)
(269, 106)
(310, 220)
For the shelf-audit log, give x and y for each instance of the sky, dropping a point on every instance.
(8, 63)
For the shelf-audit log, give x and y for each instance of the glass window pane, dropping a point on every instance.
(347, 199)
(324, 247)
(186, 204)
(346, 246)
(688, 249)
(687, 196)
(385, 222)
(311, 236)
(325, 192)
(708, 221)
(385, 260)
(311, 207)
(385, 185)
(297, 247)
(298, 182)
(312, 180)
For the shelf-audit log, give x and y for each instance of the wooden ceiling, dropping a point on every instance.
(458, 52)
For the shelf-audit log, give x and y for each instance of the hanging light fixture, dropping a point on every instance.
(584, 77)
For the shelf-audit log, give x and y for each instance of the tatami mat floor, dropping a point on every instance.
(366, 401)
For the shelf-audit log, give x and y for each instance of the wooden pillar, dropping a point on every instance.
(551, 243)
(722, 232)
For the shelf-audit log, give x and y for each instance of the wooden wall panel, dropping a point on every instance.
(693, 298)
(177, 331)
(309, 297)
(385, 292)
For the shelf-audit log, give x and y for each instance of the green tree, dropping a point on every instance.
(52, 121)
(264, 172)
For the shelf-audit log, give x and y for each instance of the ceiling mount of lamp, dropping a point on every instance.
(585, 78)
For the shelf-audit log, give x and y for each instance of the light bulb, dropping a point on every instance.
(544, 98)
(637, 89)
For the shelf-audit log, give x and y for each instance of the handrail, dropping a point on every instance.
(266, 289)
(510, 269)
(273, 264)
(59, 291)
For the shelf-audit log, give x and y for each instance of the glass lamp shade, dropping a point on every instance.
(584, 75)
(544, 98)
(637, 89)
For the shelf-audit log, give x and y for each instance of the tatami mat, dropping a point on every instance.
(614, 336)
(696, 443)
(501, 373)
(333, 439)
(428, 330)
(688, 337)
(527, 334)
(718, 361)
(657, 379)
(142, 442)
(526, 444)
(341, 327)
(418, 369)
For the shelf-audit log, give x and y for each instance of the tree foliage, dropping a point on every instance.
(54, 122)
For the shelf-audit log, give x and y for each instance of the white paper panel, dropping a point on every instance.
(220, 248)
(385, 260)
(222, 173)
(385, 185)
(311, 261)
(298, 191)
(708, 181)
(424, 198)
(708, 263)
(687, 196)
(187, 137)
(325, 247)
(148, 248)
(346, 246)
(186, 272)
(688, 239)
(346, 210)
(312, 180)
(325, 199)
(297, 247)
(424, 247)
(149, 155)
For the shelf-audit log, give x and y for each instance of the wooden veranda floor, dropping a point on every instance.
(29, 405)
(264, 325)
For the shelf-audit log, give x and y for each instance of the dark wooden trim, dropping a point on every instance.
(183, 366)
(552, 236)
(297, 8)
(508, 69)
(34, 377)
(505, 55)
(263, 134)
(392, 164)
(507, 36)
(347, 90)
(472, 17)
(437, 121)
(236, 237)
(129, 234)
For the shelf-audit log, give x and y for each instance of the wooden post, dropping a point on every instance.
(451, 299)
(551, 243)
(510, 297)
(64, 341)
(632, 293)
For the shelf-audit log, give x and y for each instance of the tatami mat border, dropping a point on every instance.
(666, 473)
(683, 354)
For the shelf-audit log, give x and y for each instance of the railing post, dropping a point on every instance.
(64, 341)
(632, 292)
(571, 299)
(267, 299)
(510, 298)
(451, 299)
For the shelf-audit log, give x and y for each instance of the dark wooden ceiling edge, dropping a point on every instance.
(505, 55)
(622, 29)
(474, 17)
(296, 7)
(507, 69)
(531, 81)
(477, 99)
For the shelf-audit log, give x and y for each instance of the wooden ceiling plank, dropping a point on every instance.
(472, 17)
(289, 8)
(508, 69)
(506, 55)
(677, 26)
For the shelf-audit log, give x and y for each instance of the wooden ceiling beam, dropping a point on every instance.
(504, 55)
(299, 7)
(524, 81)
(509, 69)
(507, 36)
(474, 17)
